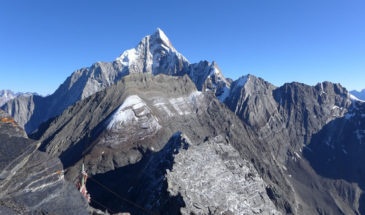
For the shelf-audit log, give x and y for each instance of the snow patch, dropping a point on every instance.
(133, 111)
(322, 91)
(122, 116)
(354, 98)
(163, 36)
(177, 103)
(181, 105)
(125, 112)
(214, 71)
(128, 57)
(163, 106)
(224, 95)
(242, 81)
(296, 154)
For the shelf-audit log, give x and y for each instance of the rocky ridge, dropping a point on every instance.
(29, 179)
(154, 55)
(115, 128)
(289, 120)
(271, 127)
(359, 94)
(7, 95)
(147, 122)
(202, 175)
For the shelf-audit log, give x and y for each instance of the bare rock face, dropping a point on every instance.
(180, 138)
(29, 179)
(153, 55)
(212, 178)
(208, 77)
(7, 95)
(294, 119)
(277, 150)
(127, 130)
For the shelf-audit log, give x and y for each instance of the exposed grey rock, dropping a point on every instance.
(143, 183)
(7, 95)
(294, 149)
(295, 111)
(337, 152)
(22, 108)
(29, 182)
(289, 120)
(213, 179)
(114, 128)
(154, 55)
(208, 77)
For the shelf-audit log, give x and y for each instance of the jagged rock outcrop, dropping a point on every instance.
(29, 179)
(212, 178)
(154, 55)
(337, 152)
(284, 134)
(7, 95)
(208, 77)
(153, 128)
(116, 127)
(288, 120)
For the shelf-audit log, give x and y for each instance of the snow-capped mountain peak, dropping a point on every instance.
(154, 55)
(159, 34)
(149, 53)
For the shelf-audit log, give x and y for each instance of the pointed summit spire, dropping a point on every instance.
(159, 34)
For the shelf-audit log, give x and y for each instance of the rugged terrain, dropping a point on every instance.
(29, 179)
(273, 130)
(136, 118)
(7, 95)
(154, 55)
(291, 120)
(170, 137)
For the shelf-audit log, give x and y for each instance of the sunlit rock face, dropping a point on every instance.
(211, 177)
(155, 55)
(32, 182)
(314, 134)
(132, 127)
(179, 138)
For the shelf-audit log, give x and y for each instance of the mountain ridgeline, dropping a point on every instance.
(175, 137)
(359, 94)
(154, 55)
(31, 181)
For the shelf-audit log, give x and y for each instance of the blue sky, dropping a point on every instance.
(43, 42)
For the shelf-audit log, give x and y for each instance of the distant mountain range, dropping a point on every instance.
(6, 95)
(359, 95)
(174, 137)
(154, 55)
